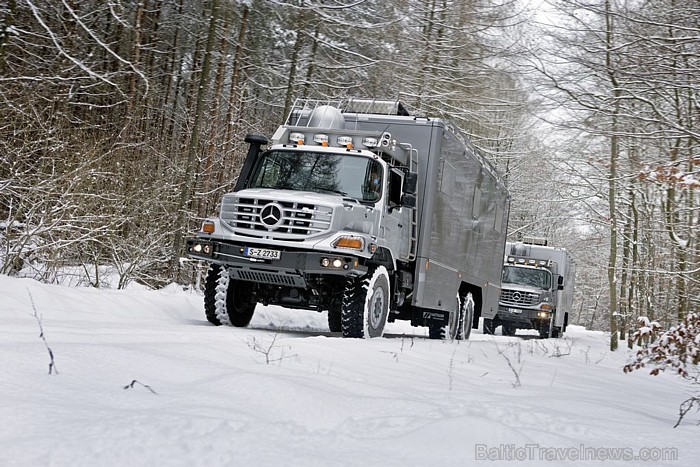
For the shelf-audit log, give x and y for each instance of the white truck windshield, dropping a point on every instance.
(347, 175)
(539, 278)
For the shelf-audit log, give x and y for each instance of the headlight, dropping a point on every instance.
(334, 263)
(543, 314)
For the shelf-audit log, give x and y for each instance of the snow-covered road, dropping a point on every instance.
(287, 392)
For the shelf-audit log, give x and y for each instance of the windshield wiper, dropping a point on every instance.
(330, 190)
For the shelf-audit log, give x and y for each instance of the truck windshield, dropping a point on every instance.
(347, 175)
(539, 278)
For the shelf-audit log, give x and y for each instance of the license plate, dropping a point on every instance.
(262, 253)
(514, 311)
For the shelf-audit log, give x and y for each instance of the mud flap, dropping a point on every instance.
(434, 318)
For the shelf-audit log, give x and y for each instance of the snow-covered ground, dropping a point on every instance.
(287, 392)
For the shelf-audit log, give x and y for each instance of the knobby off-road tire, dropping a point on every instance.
(466, 316)
(490, 326)
(210, 284)
(226, 301)
(365, 305)
(335, 319)
(459, 324)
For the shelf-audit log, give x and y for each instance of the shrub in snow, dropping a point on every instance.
(677, 349)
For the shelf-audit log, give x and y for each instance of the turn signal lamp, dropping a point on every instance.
(349, 242)
(208, 227)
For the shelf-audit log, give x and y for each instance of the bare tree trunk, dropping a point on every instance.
(210, 153)
(612, 174)
(185, 193)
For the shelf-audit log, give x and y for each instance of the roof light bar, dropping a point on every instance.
(345, 141)
(369, 142)
(297, 138)
(321, 139)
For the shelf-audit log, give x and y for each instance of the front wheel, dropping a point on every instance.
(490, 326)
(227, 301)
(335, 319)
(365, 305)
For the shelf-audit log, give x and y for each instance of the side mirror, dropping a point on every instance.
(408, 201)
(560, 283)
(410, 183)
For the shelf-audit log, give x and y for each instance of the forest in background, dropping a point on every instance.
(122, 124)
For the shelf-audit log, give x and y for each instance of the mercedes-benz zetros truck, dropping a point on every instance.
(359, 209)
(537, 289)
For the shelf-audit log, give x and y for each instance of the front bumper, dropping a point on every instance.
(291, 269)
(532, 318)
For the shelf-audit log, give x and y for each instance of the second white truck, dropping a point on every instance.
(537, 289)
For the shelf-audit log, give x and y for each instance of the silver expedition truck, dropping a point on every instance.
(537, 289)
(359, 209)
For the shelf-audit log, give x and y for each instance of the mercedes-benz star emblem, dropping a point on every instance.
(517, 297)
(271, 215)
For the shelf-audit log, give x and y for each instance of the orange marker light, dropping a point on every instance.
(208, 227)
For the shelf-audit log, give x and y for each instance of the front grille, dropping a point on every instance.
(516, 297)
(299, 220)
(264, 277)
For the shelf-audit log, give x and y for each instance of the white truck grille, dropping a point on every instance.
(273, 219)
(516, 297)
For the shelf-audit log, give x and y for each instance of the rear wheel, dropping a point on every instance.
(490, 326)
(365, 305)
(466, 316)
(455, 328)
(227, 301)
